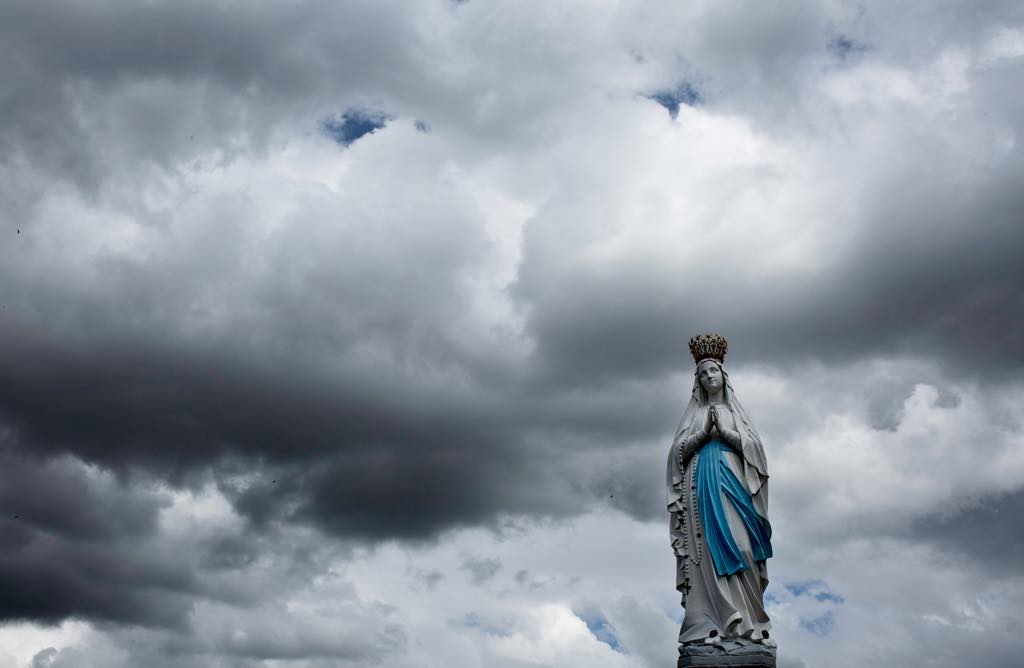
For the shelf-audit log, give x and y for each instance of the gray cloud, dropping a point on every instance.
(481, 569)
(421, 332)
(988, 533)
(933, 270)
(76, 546)
(98, 86)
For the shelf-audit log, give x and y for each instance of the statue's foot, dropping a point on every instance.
(762, 639)
(713, 638)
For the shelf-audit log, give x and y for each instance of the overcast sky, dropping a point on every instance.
(348, 334)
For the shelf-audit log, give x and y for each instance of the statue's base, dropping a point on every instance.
(731, 653)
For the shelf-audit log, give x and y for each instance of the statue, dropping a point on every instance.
(718, 508)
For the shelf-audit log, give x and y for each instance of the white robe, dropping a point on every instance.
(731, 604)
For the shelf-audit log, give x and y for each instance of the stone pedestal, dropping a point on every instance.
(731, 653)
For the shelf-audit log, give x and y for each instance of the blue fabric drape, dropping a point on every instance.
(714, 480)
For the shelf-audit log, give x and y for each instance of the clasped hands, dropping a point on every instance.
(713, 427)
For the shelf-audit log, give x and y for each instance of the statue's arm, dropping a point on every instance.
(689, 445)
(732, 439)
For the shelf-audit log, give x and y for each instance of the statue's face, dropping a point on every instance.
(710, 376)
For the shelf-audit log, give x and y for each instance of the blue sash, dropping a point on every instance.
(715, 479)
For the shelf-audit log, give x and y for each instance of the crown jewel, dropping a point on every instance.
(708, 346)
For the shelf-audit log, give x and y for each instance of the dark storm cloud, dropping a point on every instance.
(989, 532)
(362, 456)
(170, 410)
(79, 544)
(49, 580)
(412, 490)
(57, 497)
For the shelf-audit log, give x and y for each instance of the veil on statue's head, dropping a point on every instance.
(710, 349)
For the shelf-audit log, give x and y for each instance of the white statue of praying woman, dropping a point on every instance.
(718, 506)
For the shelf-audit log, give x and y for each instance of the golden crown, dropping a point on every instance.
(708, 346)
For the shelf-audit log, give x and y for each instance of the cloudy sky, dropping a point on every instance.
(352, 334)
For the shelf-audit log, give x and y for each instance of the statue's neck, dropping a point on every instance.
(716, 398)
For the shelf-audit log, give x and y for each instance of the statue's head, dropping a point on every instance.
(709, 353)
(709, 372)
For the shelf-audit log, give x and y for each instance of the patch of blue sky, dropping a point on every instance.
(669, 604)
(821, 626)
(353, 124)
(829, 597)
(601, 628)
(675, 612)
(817, 589)
(474, 621)
(672, 98)
(844, 48)
(801, 588)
